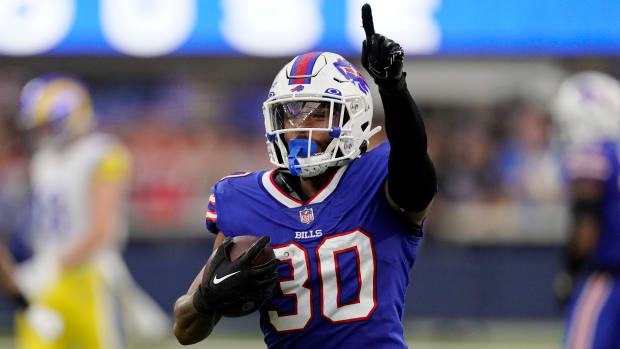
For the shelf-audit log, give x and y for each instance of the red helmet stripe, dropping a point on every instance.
(303, 66)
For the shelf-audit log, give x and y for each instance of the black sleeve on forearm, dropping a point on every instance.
(581, 208)
(412, 181)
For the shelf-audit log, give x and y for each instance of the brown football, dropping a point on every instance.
(240, 245)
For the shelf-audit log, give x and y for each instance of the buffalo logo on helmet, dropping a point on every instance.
(297, 88)
(350, 73)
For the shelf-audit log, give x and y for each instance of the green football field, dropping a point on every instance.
(420, 335)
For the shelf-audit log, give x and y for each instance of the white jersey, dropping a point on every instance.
(61, 184)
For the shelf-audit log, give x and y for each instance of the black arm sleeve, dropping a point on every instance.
(412, 181)
(581, 208)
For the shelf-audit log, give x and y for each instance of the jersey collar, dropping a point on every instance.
(290, 202)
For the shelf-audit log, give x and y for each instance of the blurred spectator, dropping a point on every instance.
(528, 169)
(467, 174)
(500, 181)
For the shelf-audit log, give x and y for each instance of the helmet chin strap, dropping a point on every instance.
(373, 132)
(297, 148)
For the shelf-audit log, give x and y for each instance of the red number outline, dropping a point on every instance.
(293, 295)
(374, 277)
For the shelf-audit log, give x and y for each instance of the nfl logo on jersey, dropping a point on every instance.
(306, 215)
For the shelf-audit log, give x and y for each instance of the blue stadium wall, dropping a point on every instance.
(447, 281)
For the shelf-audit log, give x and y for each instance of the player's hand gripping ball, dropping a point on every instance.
(382, 57)
(238, 278)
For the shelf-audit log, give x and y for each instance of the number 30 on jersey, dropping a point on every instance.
(327, 252)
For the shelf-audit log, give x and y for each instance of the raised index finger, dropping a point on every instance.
(367, 23)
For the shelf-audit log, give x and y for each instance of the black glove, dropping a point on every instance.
(382, 57)
(236, 288)
(565, 281)
(563, 287)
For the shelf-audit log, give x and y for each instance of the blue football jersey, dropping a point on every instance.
(345, 257)
(600, 162)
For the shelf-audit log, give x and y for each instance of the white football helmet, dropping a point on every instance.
(586, 108)
(325, 87)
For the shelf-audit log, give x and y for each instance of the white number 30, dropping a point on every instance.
(327, 252)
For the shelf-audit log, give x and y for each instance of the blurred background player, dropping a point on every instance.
(586, 110)
(79, 182)
(345, 222)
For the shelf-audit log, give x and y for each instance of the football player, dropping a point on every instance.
(344, 222)
(79, 179)
(586, 110)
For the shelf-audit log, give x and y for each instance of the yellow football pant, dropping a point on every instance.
(82, 300)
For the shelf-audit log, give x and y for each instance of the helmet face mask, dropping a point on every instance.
(300, 113)
(329, 104)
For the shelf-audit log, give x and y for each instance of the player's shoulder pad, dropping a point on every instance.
(370, 168)
(237, 180)
(225, 193)
(591, 161)
(115, 161)
(382, 151)
(101, 139)
(238, 174)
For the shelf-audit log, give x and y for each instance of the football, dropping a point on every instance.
(242, 243)
(239, 247)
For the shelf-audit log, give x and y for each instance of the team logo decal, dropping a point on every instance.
(333, 91)
(306, 215)
(348, 71)
(297, 88)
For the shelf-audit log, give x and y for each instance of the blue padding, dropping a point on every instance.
(298, 147)
(335, 132)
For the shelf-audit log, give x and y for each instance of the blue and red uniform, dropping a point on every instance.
(594, 312)
(345, 257)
